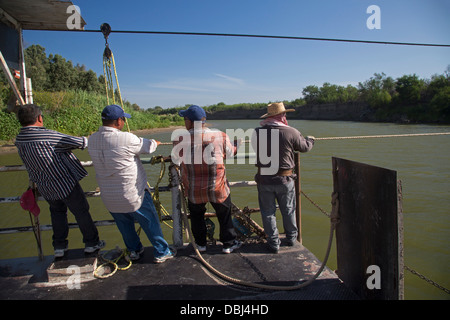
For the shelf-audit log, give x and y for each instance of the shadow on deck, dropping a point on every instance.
(181, 278)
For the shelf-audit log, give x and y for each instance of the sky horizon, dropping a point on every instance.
(175, 70)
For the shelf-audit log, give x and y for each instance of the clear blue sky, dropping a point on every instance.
(174, 70)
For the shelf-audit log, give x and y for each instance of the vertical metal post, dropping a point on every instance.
(298, 189)
(177, 235)
(36, 225)
(29, 94)
(23, 72)
(11, 81)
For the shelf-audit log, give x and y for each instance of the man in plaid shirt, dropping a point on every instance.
(200, 152)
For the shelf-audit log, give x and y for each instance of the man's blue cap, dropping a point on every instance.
(114, 112)
(193, 113)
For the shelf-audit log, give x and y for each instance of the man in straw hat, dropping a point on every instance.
(275, 143)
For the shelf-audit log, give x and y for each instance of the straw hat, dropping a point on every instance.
(274, 109)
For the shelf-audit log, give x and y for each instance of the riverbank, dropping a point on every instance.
(350, 111)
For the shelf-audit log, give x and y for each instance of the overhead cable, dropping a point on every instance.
(268, 37)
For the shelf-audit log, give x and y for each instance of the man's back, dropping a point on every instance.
(118, 168)
(49, 161)
(201, 155)
(289, 141)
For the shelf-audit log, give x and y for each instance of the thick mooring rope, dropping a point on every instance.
(333, 218)
(366, 137)
(386, 136)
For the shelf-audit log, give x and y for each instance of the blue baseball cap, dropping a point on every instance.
(193, 113)
(114, 112)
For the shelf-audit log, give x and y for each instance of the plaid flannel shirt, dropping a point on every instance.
(201, 154)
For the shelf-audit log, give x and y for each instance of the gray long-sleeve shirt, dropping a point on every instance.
(275, 147)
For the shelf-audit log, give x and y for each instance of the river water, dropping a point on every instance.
(422, 164)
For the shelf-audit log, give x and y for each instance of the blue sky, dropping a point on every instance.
(174, 70)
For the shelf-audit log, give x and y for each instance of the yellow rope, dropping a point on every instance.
(124, 254)
(155, 195)
(109, 65)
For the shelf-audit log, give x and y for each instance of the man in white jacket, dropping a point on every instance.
(123, 182)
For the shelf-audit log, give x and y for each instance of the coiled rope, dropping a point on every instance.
(113, 262)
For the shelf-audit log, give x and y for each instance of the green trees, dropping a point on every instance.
(71, 98)
(37, 64)
(407, 97)
(409, 88)
(377, 91)
(55, 73)
(330, 93)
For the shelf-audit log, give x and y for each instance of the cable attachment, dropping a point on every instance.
(106, 30)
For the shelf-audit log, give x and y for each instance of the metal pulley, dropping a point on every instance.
(106, 30)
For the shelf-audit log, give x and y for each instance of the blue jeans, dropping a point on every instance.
(284, 194)
(147, 217)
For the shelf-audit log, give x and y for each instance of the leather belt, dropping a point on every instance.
(281, 172)
(284, 172)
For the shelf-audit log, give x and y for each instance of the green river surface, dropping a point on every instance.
(422, 164)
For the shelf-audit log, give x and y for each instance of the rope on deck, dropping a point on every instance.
(333, 218)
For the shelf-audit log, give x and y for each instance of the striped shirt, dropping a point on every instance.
(49, 160)
(201, 156)
(118, 168)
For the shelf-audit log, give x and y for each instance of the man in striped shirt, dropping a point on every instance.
(201, 152)
(50, 163)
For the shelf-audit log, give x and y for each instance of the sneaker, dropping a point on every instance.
(272, 249)
(59, 253)
(291, 243)
(201, 248)
(163, 258)
(98, 246)
(135, 255)
(236, 245)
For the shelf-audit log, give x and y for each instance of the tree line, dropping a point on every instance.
(419, 100)
(381, 90)
(385, 95)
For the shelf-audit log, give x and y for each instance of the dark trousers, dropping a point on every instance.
(223, 212)
(77, 203)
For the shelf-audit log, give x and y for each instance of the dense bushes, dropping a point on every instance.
(78, 113)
